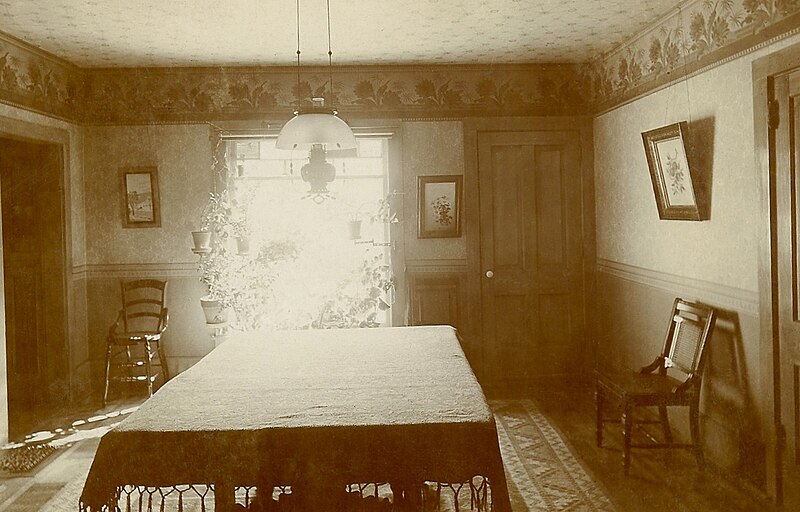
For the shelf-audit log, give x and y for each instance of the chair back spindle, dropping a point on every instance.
(143, 302)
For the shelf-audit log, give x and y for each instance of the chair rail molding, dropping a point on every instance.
(743, 301)
(135, 270)
(451, 266)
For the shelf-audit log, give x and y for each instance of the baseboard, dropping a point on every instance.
(522, 387)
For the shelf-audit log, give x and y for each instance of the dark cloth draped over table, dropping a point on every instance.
(310, 408)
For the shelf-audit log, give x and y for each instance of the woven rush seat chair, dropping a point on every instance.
(134, 340)
(672, 379)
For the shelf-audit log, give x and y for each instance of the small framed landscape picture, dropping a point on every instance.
(673, 183)
(140, 197)
(439, 214)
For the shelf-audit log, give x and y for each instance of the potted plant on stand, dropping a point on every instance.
(361, 297)
(215, 263)
(238, 279)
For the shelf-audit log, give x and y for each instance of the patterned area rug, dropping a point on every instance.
(542, 472)
(23, 460)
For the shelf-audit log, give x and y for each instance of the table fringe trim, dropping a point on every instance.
(375, 496)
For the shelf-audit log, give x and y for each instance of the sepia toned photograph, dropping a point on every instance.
(452, 255)
(670, 173)
(141, 197)
(439, 206)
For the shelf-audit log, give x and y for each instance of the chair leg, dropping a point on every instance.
(107, 373)
(627, 424)
(148, 352)
(599, 400)
(694, 427)
(128, 371)
(662, 413)
(162, 359)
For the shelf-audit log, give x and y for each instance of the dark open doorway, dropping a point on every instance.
(33, 253)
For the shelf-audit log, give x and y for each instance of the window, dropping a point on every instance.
(332, 282)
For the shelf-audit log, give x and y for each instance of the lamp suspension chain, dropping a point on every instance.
(330, 56)
(297, 13)
(297, 93)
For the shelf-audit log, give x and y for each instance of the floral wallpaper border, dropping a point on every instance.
(697, 34)
(35, 80)
(114, 96)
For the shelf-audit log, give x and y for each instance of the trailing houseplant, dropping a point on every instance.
(359, 298)
(237, 281)
(215, 263)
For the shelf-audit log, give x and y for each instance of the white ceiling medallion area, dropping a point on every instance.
(98, 33)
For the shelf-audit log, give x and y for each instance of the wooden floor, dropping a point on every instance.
(659, 480)
(655, 482)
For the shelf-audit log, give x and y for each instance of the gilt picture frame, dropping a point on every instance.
(674, 183)
(141, 207)
(439, 206)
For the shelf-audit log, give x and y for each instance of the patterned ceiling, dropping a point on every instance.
(135, 33)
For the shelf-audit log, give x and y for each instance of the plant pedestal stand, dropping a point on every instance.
(218, 332)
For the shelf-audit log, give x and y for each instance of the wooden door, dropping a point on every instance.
(786, 255)
(33, 271)
(530, 254)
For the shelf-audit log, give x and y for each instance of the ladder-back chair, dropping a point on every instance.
(672, 379)
(134, 339)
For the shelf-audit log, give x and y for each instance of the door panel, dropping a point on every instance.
(33, 269)
(787, 190)
(530, 230)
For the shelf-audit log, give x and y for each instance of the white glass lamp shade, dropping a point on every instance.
(305, 130)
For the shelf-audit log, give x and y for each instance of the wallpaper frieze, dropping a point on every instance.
(134, 95)
(37, 82)
(692, 36)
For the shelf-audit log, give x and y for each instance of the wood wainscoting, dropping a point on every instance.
(437, 296)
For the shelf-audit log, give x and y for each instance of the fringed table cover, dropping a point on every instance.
(318, 412)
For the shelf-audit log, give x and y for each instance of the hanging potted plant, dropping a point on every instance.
(241, 232)
(238, 280)
(215, 262)
(202, 241)
(219, 300)
(354, 228)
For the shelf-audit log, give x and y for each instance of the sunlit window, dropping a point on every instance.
(331, 283)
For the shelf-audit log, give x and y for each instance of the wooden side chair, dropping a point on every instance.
(134, 339)
(672, 379)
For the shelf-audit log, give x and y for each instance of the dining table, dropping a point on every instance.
(311, 415)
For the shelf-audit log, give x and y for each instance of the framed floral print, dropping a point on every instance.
(140, 197)
(673, 183)
(439, 214)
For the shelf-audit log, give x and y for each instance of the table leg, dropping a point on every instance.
(224, 497)
(498, 486)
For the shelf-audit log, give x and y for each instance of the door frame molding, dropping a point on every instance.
(763, 72)
(12, 128)
(582, 125)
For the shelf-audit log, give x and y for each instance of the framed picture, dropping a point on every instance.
(141, 208)
(673, 183)
(439, 214)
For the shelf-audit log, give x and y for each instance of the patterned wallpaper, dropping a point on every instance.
(158, 33)
(694, 35)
